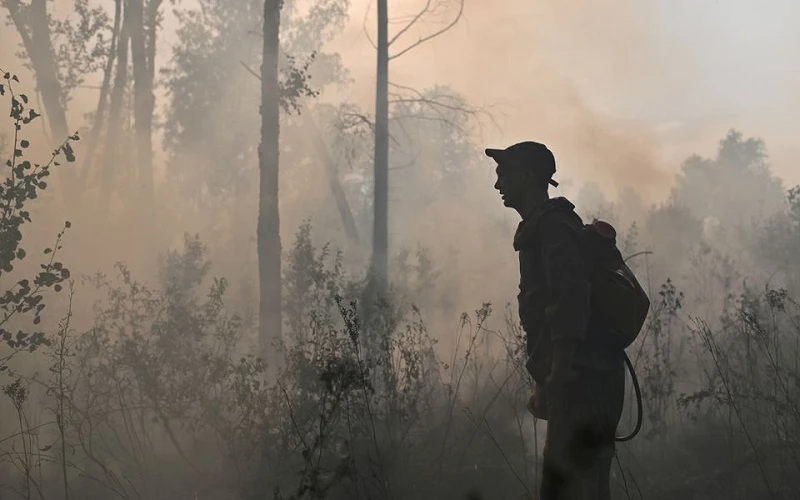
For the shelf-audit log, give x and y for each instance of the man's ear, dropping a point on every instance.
(530, 179)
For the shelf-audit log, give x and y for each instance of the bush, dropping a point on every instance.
(21, 185)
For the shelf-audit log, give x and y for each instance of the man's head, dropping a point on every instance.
(524, 171)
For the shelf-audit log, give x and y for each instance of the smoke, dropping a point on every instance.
(545, 72)
(621, 91)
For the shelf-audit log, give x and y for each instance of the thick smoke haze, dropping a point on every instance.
(622, 93)
(636, 99)
(650, 81)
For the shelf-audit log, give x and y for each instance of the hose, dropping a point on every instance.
(639, 411)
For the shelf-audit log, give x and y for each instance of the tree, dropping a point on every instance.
(430, 148)
(380, 226)
(268, 231)
(32, 23)
(210, 133)
(735, 187)
(380, 234)
(776, 242)
(21, 185)
(143, 25)
(105, 88)
(112, 154)
(60, 54)
(211, 124)
(312, 130)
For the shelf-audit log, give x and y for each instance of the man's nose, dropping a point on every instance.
(497, 185)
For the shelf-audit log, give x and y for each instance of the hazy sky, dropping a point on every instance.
(672, 75)
(623, 92)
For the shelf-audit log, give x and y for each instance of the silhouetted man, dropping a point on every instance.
(578, 384)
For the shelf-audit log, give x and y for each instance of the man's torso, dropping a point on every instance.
(535, 296)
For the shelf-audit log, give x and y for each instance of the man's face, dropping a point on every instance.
(513, 183)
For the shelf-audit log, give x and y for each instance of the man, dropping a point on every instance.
(579, 383)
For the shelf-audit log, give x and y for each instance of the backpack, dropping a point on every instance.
(617, 298)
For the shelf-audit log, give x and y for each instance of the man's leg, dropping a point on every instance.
(579, 447)
(604, 479)
(556, 469)
(554, 474)
(613, 401)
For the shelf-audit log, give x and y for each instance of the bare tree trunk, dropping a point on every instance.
(151, 26)
(100, 115)
(268, 231)
(111, 157)
(380, 234)
(142, 98)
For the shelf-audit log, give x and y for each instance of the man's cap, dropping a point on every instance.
(528, 154)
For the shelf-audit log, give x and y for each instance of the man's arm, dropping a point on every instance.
(567, 276)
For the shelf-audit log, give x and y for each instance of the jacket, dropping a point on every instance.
(555, 290)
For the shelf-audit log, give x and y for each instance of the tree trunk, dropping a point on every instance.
(151, 27)
(339, 196)
(268, 231)
(142, 99)
(35, 34)
(111, 166)
(100, 114)
(380, 234)
(32, 24)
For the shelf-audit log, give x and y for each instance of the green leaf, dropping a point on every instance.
(47, 250)
(24, 98)
(57, 288)
(69, 153)
(24, 144)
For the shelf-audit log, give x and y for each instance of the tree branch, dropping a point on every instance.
(364, 27)
(433, 35)
(250, 70)
(411, 23)
(438, 104)
(364, 119)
